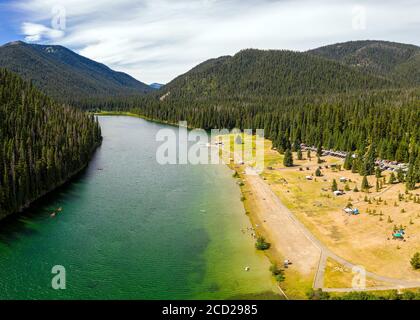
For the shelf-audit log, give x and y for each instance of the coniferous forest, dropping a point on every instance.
(42, 143)
(321, 99)
(296, 98)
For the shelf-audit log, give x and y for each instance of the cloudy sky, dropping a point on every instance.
(156, 40)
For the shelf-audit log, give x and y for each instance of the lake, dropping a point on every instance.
(131, 228)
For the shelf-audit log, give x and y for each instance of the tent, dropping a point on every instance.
(398, 235)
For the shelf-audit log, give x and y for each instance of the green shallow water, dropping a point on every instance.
(135, 230)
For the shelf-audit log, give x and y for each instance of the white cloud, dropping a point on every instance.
(156, 40)
(37, 32)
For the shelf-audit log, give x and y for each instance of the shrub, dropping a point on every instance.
(280, 277)
(261, 244)
(415, 261)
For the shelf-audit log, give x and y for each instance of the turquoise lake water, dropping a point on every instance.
(133, 229)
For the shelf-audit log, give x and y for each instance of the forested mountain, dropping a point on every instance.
(294, 97)
(395, 61)
(42, 143)
(263, 73)
(318, 97)
(65, 75)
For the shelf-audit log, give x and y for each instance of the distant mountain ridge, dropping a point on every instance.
(396, 61)
(156, 86)
(65, 75)
(257, 73)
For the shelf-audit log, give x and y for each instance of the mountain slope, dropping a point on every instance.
(396, 61)
(271, 73)
(65, 75)
(42, 143)
(156, 86)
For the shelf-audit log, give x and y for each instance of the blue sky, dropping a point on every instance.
(9, 23)
(156, 40)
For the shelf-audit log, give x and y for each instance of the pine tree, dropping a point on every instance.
(365, 184)
(368, 164)
(392, 178)
(400, 175)
(415, 261)
(319, 151)
(348, 161)
(378, 173)
(42, 143)
(288, 158)
(334, 186)
(299, 155)
(411, 178)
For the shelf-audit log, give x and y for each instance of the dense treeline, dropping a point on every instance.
(42, 143)
(296, 97)
(387, 120)
(361, 295)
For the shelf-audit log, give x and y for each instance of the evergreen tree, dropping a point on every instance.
(288, 158)
(348, 161)
(368, 164)
(392, 178)
(334, 186)
(378, 173)
(299, 155)
(42, 143)
(400, 175)
(319, 151)
(411, 178)
(365, 184)
(415, 261)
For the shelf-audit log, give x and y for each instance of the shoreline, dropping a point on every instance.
(272, 258)
(135, 115)
(274, 254)
(299, 281)
(265, 221)
(53, 188)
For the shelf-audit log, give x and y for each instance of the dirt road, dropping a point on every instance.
(295, 242)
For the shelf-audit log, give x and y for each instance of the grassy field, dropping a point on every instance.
(338, 276)
(364, 239)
